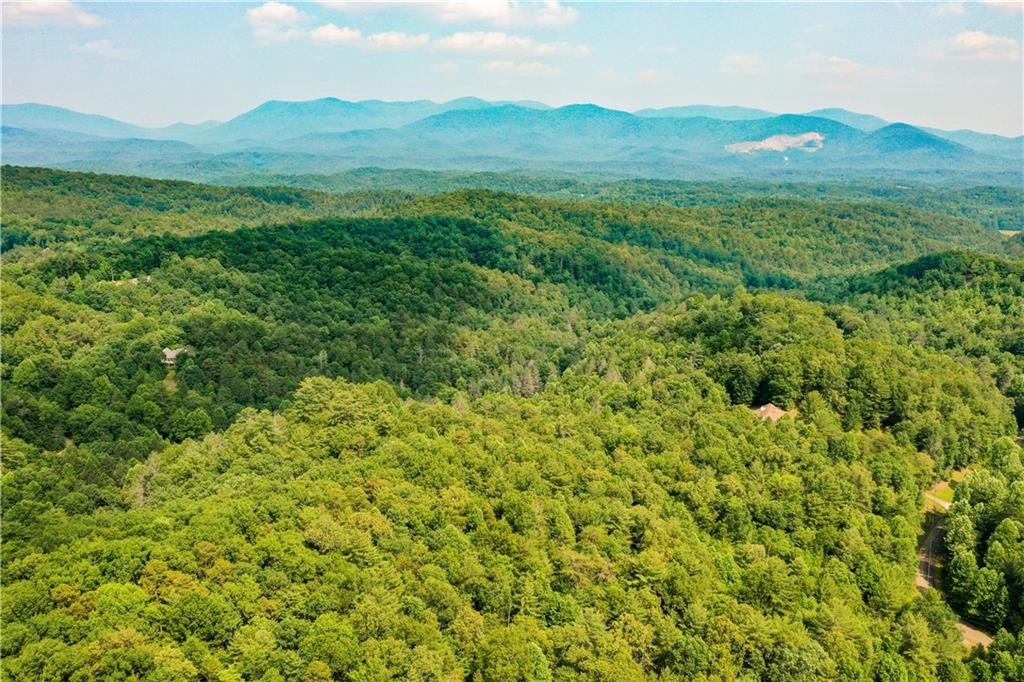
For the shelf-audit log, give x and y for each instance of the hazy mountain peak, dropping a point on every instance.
(331, 134)
(725, 113)
(903, 137)
(851, 118)
(32, 115)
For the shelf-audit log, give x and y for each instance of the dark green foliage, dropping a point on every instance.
(964, 304)
(478, 540)
(995, 207)
(1002, 662)
(484, 436)
(985, 541)
(43, 206)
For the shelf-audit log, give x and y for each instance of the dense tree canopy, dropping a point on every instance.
(986, 541)
(494, 437)
(963, 304)
(995, 207)
(660, 530)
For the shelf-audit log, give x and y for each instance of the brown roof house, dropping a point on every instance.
(773, 412)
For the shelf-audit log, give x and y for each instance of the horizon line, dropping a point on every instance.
(517, 102)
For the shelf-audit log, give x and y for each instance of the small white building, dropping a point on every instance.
(171, 356)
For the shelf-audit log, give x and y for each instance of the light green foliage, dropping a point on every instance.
(516, 538)
(986, 541)
(488, 437)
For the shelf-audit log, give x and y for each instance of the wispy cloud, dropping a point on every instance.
(821, 64)
(493, 42)
(1005, 6)
(975, 46)
(949, 9)
(336, 35)
(492, 12)
(47, 12)
(553, 13)
(742, 64)
(446, 68)
(504, 13)
(530, 69)
(330, 34)
(396, 40)
(653, 76)
(103, 48)
(275, 22)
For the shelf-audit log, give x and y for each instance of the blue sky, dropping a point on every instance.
(949, 65)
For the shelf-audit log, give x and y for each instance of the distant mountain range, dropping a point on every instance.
(707, 111)
(1012, 147)
(271, 120)
(332, 135)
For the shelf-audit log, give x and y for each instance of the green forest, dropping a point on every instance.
(445, 427)
(998, 207)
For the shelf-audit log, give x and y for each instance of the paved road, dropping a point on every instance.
(927, 556)
(928, 553)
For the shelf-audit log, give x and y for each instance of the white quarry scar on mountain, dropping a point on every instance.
(808, 142)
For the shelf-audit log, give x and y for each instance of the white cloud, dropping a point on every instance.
(742, 64)
(493, 12)
(976, 46)
(330, 34)
(346, 5)
(49, 12)
(396, 40)
(274, 22)
(273, 13)
(981, 46)
(951, 9)
(336, 35)
(496, 13)
(817, 63)
(493, 42)
(103, 48)
(531, 69)
(653, 76)
(1005, 6)
(445, 68)
(808, 142)
(553, 13)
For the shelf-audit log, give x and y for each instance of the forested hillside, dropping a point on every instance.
(963, 304)
(488, 436)
(995, 207)
(986, 541)
(43, 206)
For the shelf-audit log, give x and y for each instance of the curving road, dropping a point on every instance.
(927, 556)
(928, 553)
